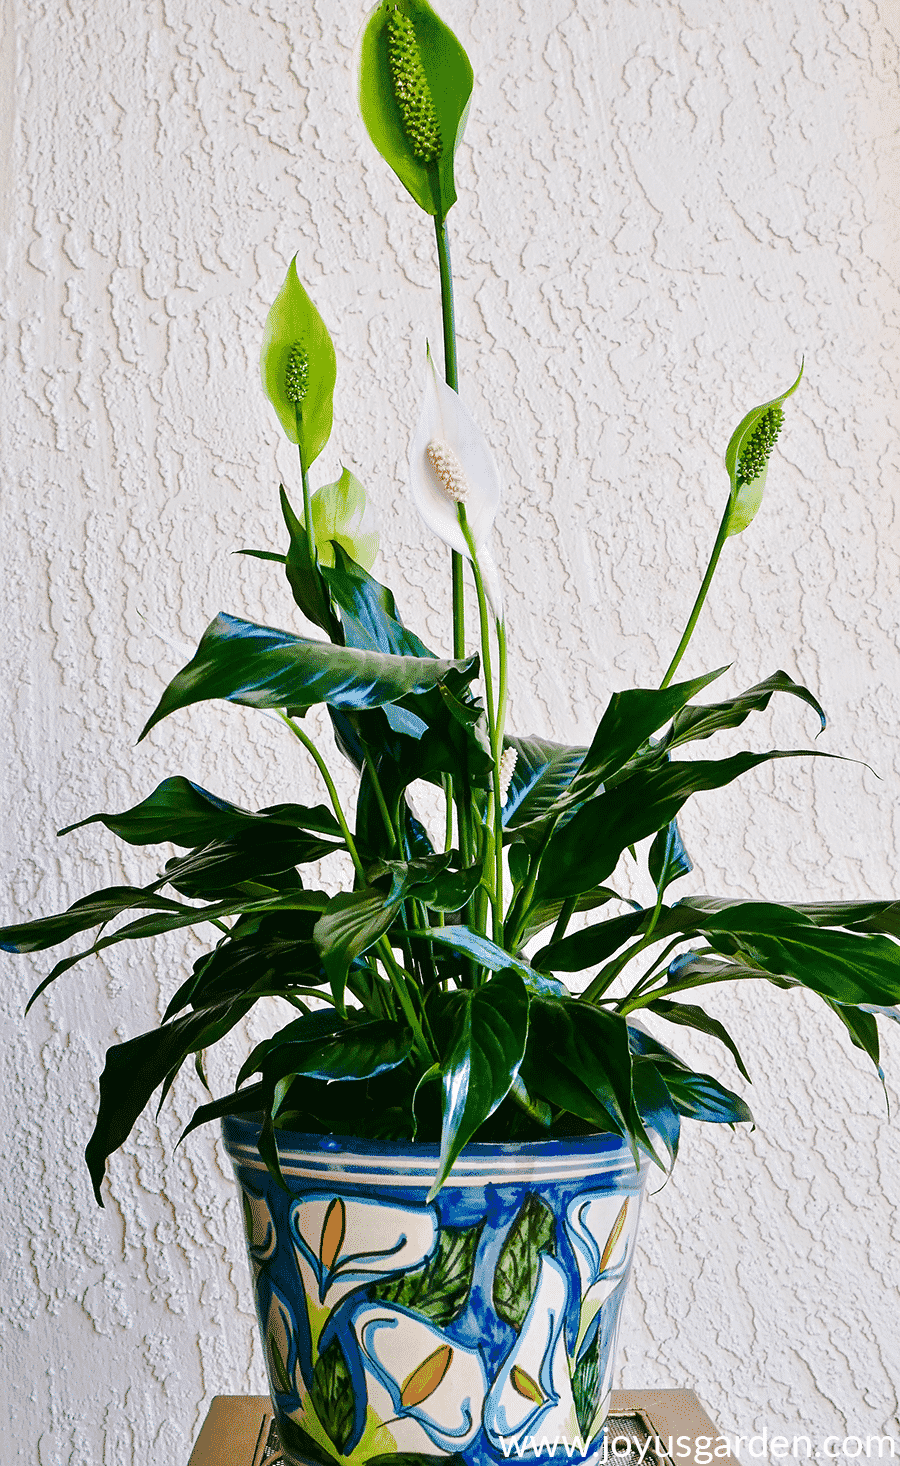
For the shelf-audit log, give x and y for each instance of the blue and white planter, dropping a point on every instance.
(479, 1327)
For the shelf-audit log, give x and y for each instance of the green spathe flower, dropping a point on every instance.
(298, 367)
(339, 514)
(415, 82)
(747, 457)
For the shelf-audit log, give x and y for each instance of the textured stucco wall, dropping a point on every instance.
(663, 205)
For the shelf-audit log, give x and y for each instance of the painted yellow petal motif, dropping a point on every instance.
(333, 1229)
(613, 1237)
(426, 1377)
(523, 1384)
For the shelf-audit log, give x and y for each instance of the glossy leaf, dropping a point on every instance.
(702, 721)
(322, 1045)
(586, 851)
(304, 574)
(489, 1027)
(542, 773)
(579, 1059)
(746, 497)
(264, 668)
(293, 321)
(690, 1016)
(368, 612)
(630, 718)
(89, 911)
(135, 1069)
(850, 967)
(481, 949)
(185, 814)
(667, 860)
(654, 1104)
(223, 867)
(351, 923)
(339, 516)
(696, 1096)
(448, 76)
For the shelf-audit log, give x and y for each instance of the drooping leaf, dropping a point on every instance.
(293, 324)
(414, 88)
(579, 1060)
(747, 457)
(135, 1069)
(260, 667)
(322, 1045)
(182, 812)
(630, 718)
(488, 1030)
(850, 967)
(696, 1096)
(690, 1016)
(339, 517)
(222, 867)
(351, 923)
(862, 1027)
(703, 720)
(586, 851)
(532, 1234)
(94, 910)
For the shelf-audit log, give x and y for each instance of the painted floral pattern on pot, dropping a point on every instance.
(478, 1328)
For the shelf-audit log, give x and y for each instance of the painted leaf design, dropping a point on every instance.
(426, 1377)
(586, 1384)
(439, 1290)
(613, 1237)
(279, 1335)
(516, 1275)
(333, 1229)
(415, 1458)
(525, 1385)
(294, 1438)
(331, 1395)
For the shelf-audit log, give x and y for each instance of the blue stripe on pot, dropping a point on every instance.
(477, 1328)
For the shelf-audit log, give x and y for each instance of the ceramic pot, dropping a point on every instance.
(479, 1327)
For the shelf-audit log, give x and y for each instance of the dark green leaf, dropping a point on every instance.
(863, 1030)
(351, 923)
(696, 1096)
(850, 967)
(219, 869)
(440, 1289)
(516, 1275)
(94, 910)
(693, 723)
(543, 771)
(368, 611)
(578, 1059)
(264, 668)
(489, 1027)
(448, 83)
(133, 1070)
(322, 1045)
(668, 860)
(690, 1016)
(631, 717)
(304, 575)
(586, 851)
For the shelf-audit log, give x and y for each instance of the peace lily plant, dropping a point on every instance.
(432, 996)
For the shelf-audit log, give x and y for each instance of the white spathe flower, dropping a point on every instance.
(450, 463)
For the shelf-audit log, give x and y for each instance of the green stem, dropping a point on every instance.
(565, 916)
(494, 729)
(721, 537)
(451, 377)
(321, 765)
(307, 505)
(382, 803)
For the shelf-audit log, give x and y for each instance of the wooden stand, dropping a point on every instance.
(239, 1431)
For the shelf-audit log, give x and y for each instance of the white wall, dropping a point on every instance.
(663, 206)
